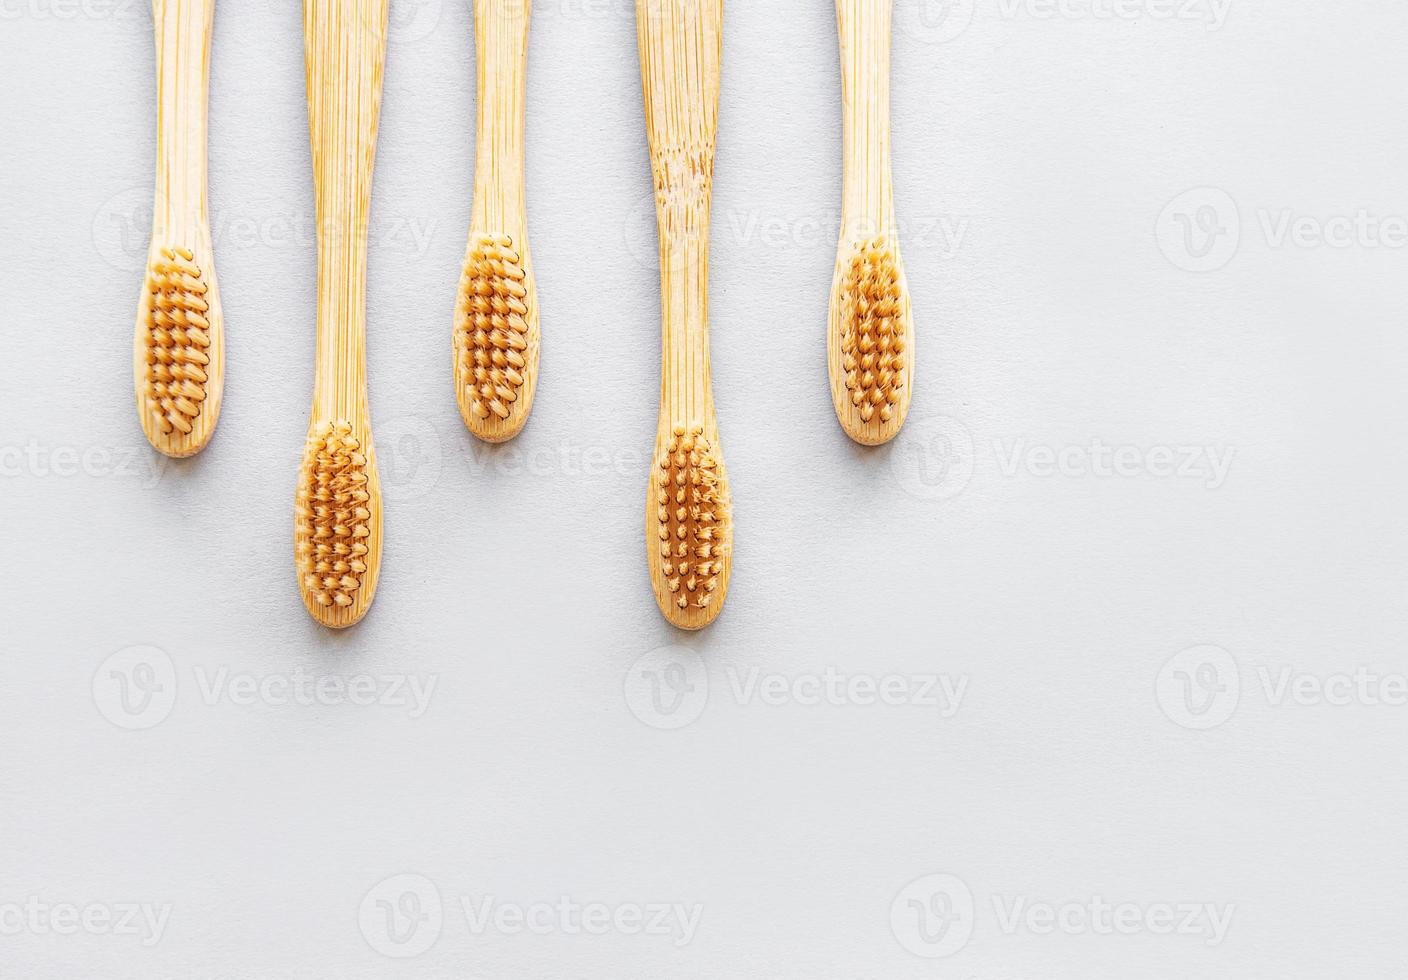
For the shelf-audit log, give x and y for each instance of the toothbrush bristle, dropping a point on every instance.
(491, 335)
(692, 517)
(333, 516)
(177, 342)
(873, 331)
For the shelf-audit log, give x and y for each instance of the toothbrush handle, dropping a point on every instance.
(501, 40)
(345, 53)
(183, 30)
(680, 51)
(867, 203)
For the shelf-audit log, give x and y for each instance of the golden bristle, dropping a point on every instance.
(178, 341)
(872, 334)
(491, 329)
(691, 517)
(333, 516)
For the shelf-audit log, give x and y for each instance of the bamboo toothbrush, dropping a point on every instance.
(496, 316)
(178, 358)
(870, 335)
(689, 527)
(337, 525)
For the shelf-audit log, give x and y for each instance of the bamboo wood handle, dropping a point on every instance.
(183, 31)
(689, 525)
(345, 51)
(868, 197)
(178, 350)
(337, 532)
(501, 42)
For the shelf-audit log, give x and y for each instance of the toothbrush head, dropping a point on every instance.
(337, 528)
(495, 349)
(175, 348)
(692, 527)
(876, 356)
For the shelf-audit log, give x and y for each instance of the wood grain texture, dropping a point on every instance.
(870, 330)
(689, 523)
(178, 358)
(338, 513)
(496, 315)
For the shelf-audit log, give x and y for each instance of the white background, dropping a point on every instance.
(1077, 307)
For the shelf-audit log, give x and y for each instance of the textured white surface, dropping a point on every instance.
(1053, 139)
